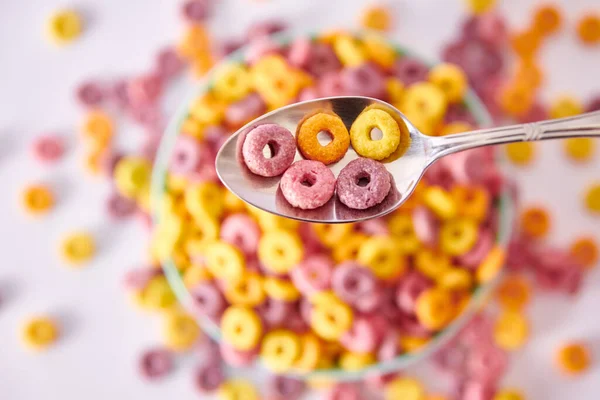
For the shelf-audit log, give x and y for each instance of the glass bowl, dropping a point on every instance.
(504, 206)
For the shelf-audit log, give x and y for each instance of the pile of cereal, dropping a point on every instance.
(303, 297)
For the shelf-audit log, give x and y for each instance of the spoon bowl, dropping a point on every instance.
(406, 166)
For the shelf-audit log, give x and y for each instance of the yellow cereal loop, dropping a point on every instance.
(458, 236)
(456, 279)
(280, 349)
(509, 394)
(440, 202)
(360, 134)
(247, 291)
(207, 110)
(237, 389)
(513, 292)
(204, 199)
(276, 82)
(98, 128)
(280, 250)
(225, 261)
(349, 51)
(404, 388)
(472, 201)
(64, 26)
(491, 265)
(330, 320)
(451, 80)
(511, 330)
(520, 153)
(379, 50)
(565, 106)
(480, 6)
(194, 275)
(232, 203)
(401, 227)
(37, 199)
(78, 248)
(281, 289)
(310, 353)
(434, 308)
(579, 149)
(269, 222)
(592, 199)
(376, 17)
(157, 295)
(382, 256)
(426, 101)
(132, 176)
(232, 82)
(355, 361)
(432, 264)
(348, 248)
(241, 327)
(411, 344)
(39, 333)
(332, 234)
(181, 331)
(395, 90)
(323, 297)
(192, 127)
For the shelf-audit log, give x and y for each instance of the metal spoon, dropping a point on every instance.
(406, 170)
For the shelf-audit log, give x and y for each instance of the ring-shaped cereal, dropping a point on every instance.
(308, 143)
(241, 327)
(307, 184)
(281, 143)
(363, 183)
(360, 134)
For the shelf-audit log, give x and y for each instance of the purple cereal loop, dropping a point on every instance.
(274, 312)
(208, 377)
(241, 231)
(312, 274)
(296, 323)
(349, 189)
(389, 347)
(538, 112)
(322, 60)
(196, 11)
(344, 391)
(279, 140)
(215, 136)
(487, 363)
(168, 63)
(389, 309)
(471, 389)
(188, 155)
(299, 54)
(351, 281)
(306, 94)
(207, 299)
(119, 93)
(409, 289)
(237, 358)
(90, 94)
(369, 303)
(374, 227)
(593, 104)
(307, 184)
(156, 363)
(410, 325)
(361, 337)
(119, 207)
(425, 225)
(48, 148)
(410, 70)
(312, 244)
(556, 270)
(284, 387)
(364, 80)
(245, 110)
(260, 48)
(491, 28)
(145, 89)
(330, 84)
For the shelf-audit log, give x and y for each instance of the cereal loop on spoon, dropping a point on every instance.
(360, 134)
(280, 142)
(308, 142)
(307, 184)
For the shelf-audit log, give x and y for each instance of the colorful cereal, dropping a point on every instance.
(361, 134)
(363, 183)
(281, 145)
(308, 184)
(308, 142)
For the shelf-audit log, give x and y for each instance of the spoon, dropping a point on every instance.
(406, 170)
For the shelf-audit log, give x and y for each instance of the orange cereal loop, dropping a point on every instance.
(308, 142)
(592, 199)
(526, 44)
(37, 199)
(573, 358)
(473, 201)
(547, 19)
(516, 99)
(454, 128)
(513, 293)
(98, 127)
(535, 222)
(529, 74)
(195, 42)
(491, 265)
(520, 153)
(585, 251)
(588, 29)
(377, 18)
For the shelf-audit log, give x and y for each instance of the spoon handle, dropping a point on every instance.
(584, 125)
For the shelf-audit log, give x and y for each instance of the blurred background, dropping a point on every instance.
(102, 336)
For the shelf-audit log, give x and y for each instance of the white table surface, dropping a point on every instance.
(103, 335)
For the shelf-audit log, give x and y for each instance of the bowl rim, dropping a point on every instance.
(480, 294)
